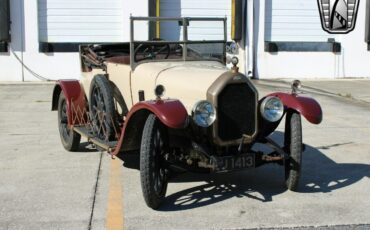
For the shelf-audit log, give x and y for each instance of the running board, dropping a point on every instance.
(85, 132)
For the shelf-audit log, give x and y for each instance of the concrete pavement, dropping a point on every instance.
(41, 185)
(44, 187)
(358, 89)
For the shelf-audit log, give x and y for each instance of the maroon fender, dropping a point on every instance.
(171, 113)
(76, 102)
(306, 106)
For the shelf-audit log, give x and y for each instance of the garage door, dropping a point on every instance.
(80, 21)
(196, 8)
(293, 20)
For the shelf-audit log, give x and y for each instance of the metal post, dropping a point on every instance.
(225, 39)
(132, 48)
(225, 29)
(185, 38)
(23, 40)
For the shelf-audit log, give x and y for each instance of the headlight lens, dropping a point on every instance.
(204, 114)
(272, 109)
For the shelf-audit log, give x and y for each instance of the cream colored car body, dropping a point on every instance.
(187, 81)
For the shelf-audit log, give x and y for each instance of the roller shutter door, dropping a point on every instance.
(196, 8)
(80, 21)
(294, 20)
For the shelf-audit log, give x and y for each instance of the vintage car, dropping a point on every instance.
(179, 106)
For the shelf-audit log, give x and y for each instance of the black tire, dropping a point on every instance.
(294, 147)
(154, 175)
(102, 109)
(70, 139)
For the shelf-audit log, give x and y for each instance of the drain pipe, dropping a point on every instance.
(249, 35)
(22, 37)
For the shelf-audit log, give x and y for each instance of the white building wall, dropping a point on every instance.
(356, 58)
(49, 65)
(54, 66)
(353, 61)
(11, 69)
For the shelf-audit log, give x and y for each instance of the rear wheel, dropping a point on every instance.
(153, 173)
(70, 139)
(293, 145)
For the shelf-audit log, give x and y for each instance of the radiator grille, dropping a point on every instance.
(236, 112)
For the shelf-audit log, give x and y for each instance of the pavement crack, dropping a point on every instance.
(95, 192)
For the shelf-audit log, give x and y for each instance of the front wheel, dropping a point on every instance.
(70, 139)
(102, 110)
(293, 145)
(152, 170)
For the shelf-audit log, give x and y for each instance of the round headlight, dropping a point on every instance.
(234, 61)
(296, 85)
(272, 109)
(159, 91)
(204, 114)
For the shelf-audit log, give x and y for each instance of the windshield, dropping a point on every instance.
(186, 39)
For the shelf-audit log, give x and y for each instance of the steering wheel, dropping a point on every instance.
(152, 51)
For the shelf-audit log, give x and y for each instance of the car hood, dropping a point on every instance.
(185, 81)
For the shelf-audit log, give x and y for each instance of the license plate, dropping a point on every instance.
(237, 162)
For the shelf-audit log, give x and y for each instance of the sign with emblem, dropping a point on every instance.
(338, 16)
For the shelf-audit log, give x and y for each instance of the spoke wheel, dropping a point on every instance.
(69, 138)
(153, 173)
(293, 145)
(102, 110)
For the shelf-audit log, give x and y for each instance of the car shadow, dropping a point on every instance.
(320, 174)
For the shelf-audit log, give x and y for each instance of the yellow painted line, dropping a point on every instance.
(158, 14)
(233, 19)
(115, 199)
